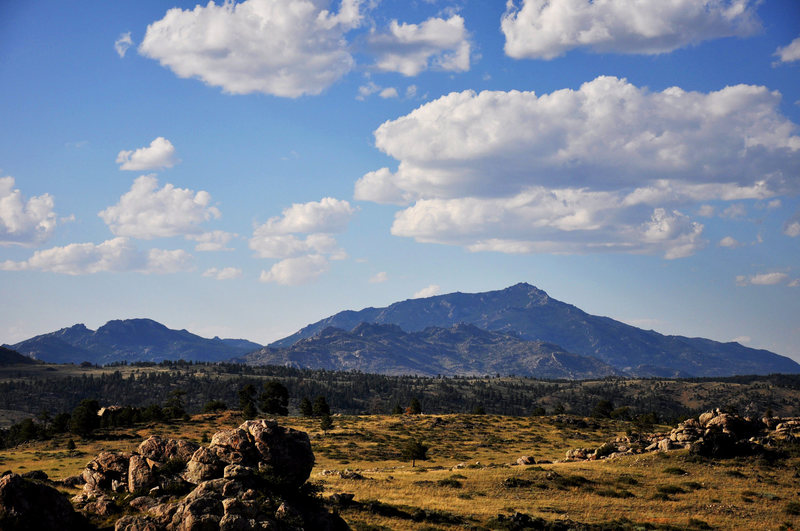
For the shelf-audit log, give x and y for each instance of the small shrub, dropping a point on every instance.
(693, 485)
(735, 474)
(675, 471)
(614, 493)
(449, 482)
(696, 523)
(513, 483)
(627, 479)
(670, 489)
(792, 508)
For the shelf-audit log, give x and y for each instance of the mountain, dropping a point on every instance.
(531, 314)
(129, 340)
(10, 357)
(462, 349)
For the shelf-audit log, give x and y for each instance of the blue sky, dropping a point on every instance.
(244, 169)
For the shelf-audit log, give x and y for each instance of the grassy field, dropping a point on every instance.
(471, 477)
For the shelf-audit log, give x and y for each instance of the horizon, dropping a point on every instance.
(241, 170)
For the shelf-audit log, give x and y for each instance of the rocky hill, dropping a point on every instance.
(129, 340)
(462, 349)
(530, 313)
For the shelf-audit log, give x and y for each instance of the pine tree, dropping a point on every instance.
(306, 408)
(414, 450)
(274, 399)
(320, 407)
(325, 423)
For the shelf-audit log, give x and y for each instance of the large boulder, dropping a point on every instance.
(203, 465)
(285, 453)
(163, 450)
(107, 471)
(26, 504)
(141, 476)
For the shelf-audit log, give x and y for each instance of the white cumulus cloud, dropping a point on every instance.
(285, 48)
(409, 49)
(428, 291)
(24, 222)
(216, 240)
(122, 43)
(545, 29)
(116, 255)
(267, 245)
(158, 155)
(730, 242)
(600, 169)
(326, 215)
(147, 211)
(226, 273)
(790, 52)
(296, 271)
(302, 258)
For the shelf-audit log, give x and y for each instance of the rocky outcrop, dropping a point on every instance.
(27, 504)
(712, 434)
(249, 477)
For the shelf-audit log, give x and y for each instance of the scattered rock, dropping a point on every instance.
(713, 434)
(526, 460)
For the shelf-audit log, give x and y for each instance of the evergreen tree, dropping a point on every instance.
(247, 401)
(414, 408)
(84, 419)
(325, 423)
(274, 399)
(413, 450)
(306, 409)
(320, 407)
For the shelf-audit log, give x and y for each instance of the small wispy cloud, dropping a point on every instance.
(122, 44)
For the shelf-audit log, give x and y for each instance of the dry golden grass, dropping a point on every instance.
(466, 477)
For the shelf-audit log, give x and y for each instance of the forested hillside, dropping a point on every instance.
(61, 388)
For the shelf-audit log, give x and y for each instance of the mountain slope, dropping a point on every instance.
(129, 340)
(10, 357)
(459, 350)
(532, 314)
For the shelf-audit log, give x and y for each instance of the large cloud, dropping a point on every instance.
(602, 168)
(296, 271)
(412, 48)
(24, 222)
(279, 47)
(147, 211)
(326, 215)
(544, 29)
(117, 255)
(302, 259)
(158, 155)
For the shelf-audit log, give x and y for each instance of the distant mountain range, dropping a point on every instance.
(531, 314)
(129, 340)
(518, 330)
(462, 349)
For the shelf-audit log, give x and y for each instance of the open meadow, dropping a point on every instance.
(471, 479)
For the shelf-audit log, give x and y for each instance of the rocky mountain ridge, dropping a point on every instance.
(532, 314)
(462, 349)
